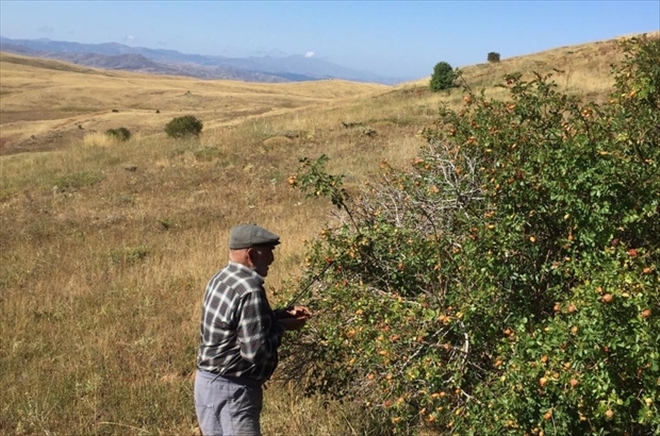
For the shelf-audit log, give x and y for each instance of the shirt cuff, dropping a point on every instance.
(281, 313)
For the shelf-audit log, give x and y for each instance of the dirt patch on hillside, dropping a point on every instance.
(46, 142)
(12, 117)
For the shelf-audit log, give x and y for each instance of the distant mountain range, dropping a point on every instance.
(294, 68)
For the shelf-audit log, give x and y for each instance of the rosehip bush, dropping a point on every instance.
(507, 282)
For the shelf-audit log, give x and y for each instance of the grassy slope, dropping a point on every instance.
(105, 248)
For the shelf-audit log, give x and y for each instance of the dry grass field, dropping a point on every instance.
(105, 247)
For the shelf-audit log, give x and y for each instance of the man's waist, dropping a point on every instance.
(214, 376)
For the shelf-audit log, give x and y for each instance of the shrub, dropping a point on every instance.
(129, 255)
(186, 126)
(443, 77)
(77, 180)
(507, 282)
(120, 134)
(493, 57)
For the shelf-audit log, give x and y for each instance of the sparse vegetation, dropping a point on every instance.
(76, 180)
(105, 246)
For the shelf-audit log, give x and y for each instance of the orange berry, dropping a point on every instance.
(606, 298)
(646, 313)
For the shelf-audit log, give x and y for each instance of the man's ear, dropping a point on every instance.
(251, 255)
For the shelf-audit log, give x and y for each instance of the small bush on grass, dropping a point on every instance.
(120, 134)
(182, 127)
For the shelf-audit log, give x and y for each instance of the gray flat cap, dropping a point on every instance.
(249, 235)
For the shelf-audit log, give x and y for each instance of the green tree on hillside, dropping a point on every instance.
(507, 283)
(493, 57)
(443, 77)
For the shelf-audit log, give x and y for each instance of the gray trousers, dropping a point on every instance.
(227, 406)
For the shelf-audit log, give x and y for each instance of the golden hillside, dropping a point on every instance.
(50, 99)
(46, 103)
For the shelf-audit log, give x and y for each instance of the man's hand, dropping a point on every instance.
(295, 317)
(298, 312)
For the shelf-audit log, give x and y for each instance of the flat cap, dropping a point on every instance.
(249, 235)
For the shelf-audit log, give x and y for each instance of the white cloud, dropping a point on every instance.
(129, 38)
(309, 54)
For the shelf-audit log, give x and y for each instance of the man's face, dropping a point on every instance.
(261, 258)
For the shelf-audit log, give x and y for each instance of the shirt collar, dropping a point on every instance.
(246, 269)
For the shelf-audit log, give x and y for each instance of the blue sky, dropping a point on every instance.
(391, 38)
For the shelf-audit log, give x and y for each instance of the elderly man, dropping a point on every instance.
(240, 335)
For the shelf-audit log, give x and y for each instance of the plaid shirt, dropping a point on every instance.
(239, 335)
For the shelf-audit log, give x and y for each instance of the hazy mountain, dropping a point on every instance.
(158, 61)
